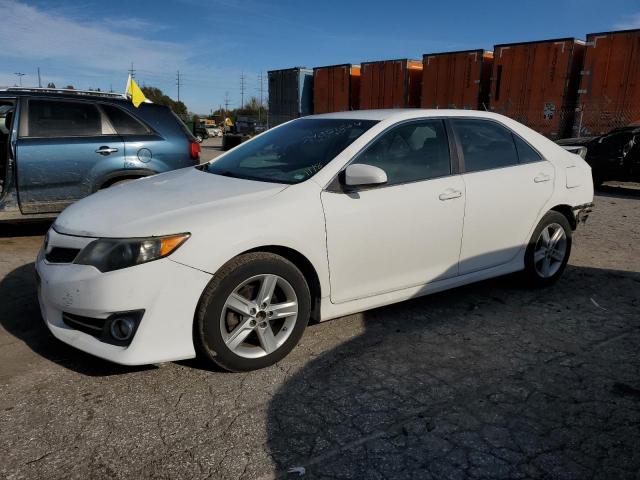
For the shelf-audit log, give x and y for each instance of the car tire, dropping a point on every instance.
(257, 334)
(598, 179)
(548, 250)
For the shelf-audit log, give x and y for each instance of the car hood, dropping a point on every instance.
(161, 204)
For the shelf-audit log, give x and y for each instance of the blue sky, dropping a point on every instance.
(212, 42)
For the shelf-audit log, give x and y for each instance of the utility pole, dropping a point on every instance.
(132, 72)
(39, 79)
(242, 86)
(20, 75)
(226, 102)
(261, 88)
(178, 83)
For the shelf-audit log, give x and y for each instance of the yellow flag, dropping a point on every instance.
(134, 92)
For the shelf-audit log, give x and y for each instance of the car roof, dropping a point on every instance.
(62, 93)
(405, 114)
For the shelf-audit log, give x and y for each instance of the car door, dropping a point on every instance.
(404, 233)
(63, 147)
(507, 183)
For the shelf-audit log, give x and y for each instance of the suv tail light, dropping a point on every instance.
(194, 150)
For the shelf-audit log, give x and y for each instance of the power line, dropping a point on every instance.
(20, 75)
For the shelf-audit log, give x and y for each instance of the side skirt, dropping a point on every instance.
(330, 310)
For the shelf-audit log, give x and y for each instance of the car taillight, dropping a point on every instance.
(194, 150)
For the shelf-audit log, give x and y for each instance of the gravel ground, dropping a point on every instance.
(487, 381)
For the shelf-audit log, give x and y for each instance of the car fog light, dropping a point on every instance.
(122, 328)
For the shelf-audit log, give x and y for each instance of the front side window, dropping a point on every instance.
(123, 123)
(291, 153)
(51, 118)
(485, 144)
(411, 152)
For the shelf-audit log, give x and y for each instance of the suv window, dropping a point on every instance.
(411, 152)
(124, 123)
(526, 154)
(53, 118)
(485, 144)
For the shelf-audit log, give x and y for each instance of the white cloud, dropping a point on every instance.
(632, 21)
(30, 33)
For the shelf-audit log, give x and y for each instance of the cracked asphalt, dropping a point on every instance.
(487, 381)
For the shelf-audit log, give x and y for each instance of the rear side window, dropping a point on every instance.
(183, 127)
(124, 123)
(526, 154)
(411, 152)
(63, 119)
(485, 145)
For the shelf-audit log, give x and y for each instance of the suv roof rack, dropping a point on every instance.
(65, 90)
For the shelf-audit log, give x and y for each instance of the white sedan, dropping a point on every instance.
(315, 219)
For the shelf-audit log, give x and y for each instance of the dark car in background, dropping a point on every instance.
(612, 156)
(58, 146)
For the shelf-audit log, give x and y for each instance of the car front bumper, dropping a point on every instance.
(167, 291)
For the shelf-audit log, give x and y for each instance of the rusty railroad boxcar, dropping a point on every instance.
(336, 88)
(609, 94)
(290, 94)
(390, 84)
(457, 79)
(536, 83)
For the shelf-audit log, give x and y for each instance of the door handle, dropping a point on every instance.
(106, 150)
(542, 177)
(450, 194)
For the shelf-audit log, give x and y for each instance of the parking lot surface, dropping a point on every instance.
(210, 148)
(487, 381)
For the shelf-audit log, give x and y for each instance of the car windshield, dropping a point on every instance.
(291, 153)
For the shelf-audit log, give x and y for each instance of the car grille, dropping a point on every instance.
(88, 325)
(62, 255)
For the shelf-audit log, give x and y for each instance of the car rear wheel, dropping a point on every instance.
(253, 312)
(548, 250)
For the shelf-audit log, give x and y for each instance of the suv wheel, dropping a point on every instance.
(253, 312)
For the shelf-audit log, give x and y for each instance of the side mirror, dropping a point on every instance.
(360, 174)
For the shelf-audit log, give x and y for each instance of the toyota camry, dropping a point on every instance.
(318, 218)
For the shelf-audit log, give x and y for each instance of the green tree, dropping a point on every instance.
(252, 109)
(157, 96)
(51, 85)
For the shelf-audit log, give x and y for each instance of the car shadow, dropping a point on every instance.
(24, 229)
(619, 190)
(20, 317)
(490, 380)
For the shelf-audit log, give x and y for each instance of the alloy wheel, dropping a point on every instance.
(259, 316)
(550, 250)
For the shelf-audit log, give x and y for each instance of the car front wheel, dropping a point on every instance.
(253, 312)
(548, 251)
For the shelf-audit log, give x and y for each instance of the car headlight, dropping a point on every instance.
(108, 254)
